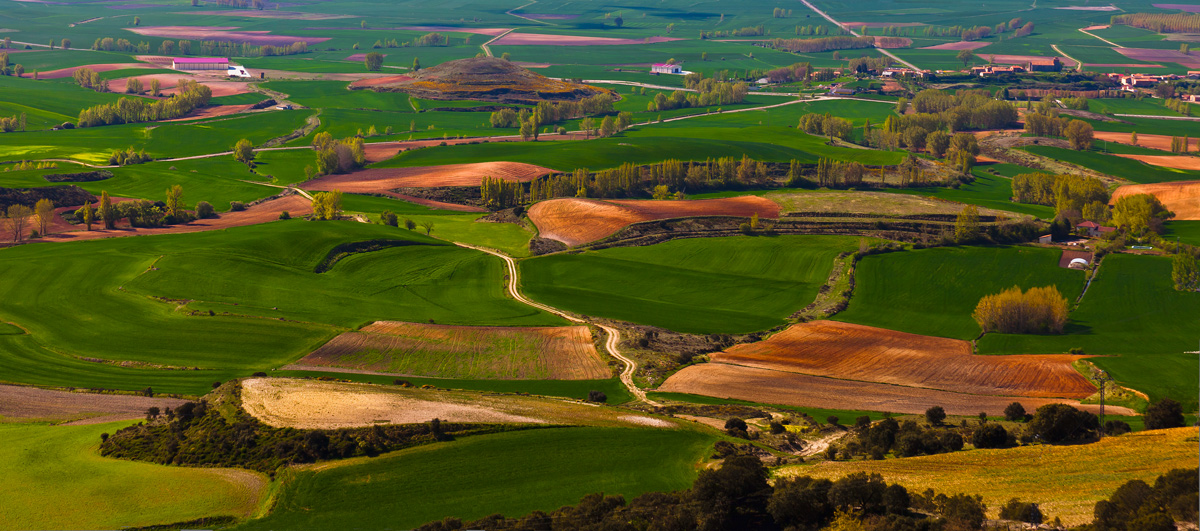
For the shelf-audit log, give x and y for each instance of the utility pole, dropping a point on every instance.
(1103, 378)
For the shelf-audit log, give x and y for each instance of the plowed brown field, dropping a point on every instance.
(223, 33)
(856, 352)
(961, 45)
(788, 388)
(477, 352)
(264, 212)
(528, 39)
(49, 405)
(576, 221)
(378, 180)
(1179, 162)
(1162, 142)
(1182, 197)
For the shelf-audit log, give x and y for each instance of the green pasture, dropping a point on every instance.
(508, 473)
(239, 99)
(1134, 319)
(46, 104)
(342, 123)
(1133, 170)
(1150, 106)
(1154, 126)
(270, 307)
(987, 190)
(55, 479)
(1184, 231)
(934, 291)
(447, 224)
(335, 95)
(844, 415)
(712, 285)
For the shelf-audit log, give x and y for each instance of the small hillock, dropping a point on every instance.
(487, 79)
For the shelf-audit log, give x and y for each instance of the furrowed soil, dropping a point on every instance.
(1160, 142)
(575, 221)
(1180, 197)
(472, 352)
(864, 353)
(382, 180)
(311, 404)
(787, 388)
(32, 403)
(1082, 474)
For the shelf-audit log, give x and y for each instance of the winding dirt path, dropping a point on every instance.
(610, 344)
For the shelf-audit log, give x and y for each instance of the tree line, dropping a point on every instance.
(709, 92)
(547, 112)
(1160, 22)
(1070, 195)
(12, 70)
(823, 44)
(1036, 311)
(748, 31)
(12, 123)
(190, 96)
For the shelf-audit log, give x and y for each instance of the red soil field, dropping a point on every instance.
(222, 33)
(169, 83)
(1190, 8)
(558, 353)
(1068, 255)
(864, 353)
(264, 212)
(478, 31)
(1162, 142)
(1179, 162)
(787, 388)
(378, 180)
(525, 39)
(1181, 197)
(371, 82)
(360, 57)
(274, 14)
(1100, 27)
(45, 404)
(956, 46)
(575, 221)
(905, 43)
(107, 67)
(213, 112)
(1151, 55)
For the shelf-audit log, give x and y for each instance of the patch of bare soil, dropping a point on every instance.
(1160, 142)
(788, 388)
(576, 221)
(379, 180)
(213, 111)
(80, 407)
(535, 39)
(105, 67)
(956, 46)
(1180, 197)
(1179, 162)
(222, 33)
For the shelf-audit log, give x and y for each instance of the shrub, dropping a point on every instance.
(410, 224)
(990, 436)
(389, 218)
(1056, 423)
(777, 428)
(935, 415)
(236, 206)
(205, 211)
(735, 424)
(832, 420)
(259, 374)
(1014, 412)
(597, 396)
(1165, 413)
(1116, 427)
(1020, 511)
(285, 215)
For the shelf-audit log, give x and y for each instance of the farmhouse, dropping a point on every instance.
(1139, 80)
(1044, 65)
(665, 68)
(843, 91)
(200, 63)
(992, 70)
(1093, 229)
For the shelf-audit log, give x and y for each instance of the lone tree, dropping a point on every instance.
(416, 64)
(108, 214)
(374, 61)
(935, 415)
(1014, 412)
(618, 21)
(966, 56)
(428, 226)
(243, 151)
(1080, 134)
(89, 215)
(174, 200)
(966, 226)
(18, 219)
(44, 209)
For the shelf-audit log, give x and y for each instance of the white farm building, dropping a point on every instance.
(200, 63)
(665, 68)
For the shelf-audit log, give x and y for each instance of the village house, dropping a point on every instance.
(1044, 65)
(1093, 229)
(665, 68)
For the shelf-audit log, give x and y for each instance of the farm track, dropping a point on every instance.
(610, 344)
(854, 33)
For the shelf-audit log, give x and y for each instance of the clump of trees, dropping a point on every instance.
(904, 439)
(1037, 311)
(748, 31)
(89, 79)
(431, 39)
(1185, 272)
(1164, 414)
(338, 156)
(1138, 213)
(373, 61)
(15, 122)
(709, 92)
(826, 125)
(552, 112)
(1139, 506)
(823, 44)
(500, 193)
(128, 157)
(245, 49)
(1069, 194)
(17, 218)
(191, 95)
(327, 205)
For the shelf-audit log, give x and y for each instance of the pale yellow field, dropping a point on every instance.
(1066, 481)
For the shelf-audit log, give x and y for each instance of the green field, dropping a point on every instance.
(138, 292)
(54, 479)
(715, 285)
(479, 476)
(1130, 312)
(933, 291)
(1130, 169)
(987, 190)
(1185, 231)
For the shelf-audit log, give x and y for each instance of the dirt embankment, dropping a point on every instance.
(576, 221)
(1181, 197)
(77, 407)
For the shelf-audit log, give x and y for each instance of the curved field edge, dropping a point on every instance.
(55, 479)
(474, 477)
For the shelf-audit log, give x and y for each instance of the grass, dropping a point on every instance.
(1135, 171)
(939, 288)
(335, 95)
(1081, 474)
(1152, 106)
(54, 479)
(716, 285)
(46, 104)
(845, 416)
(987, 190)
(509, 473)
(1146, 126)
(447, 225)
(1133, 316)
(138, 292)
(1185, 231)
